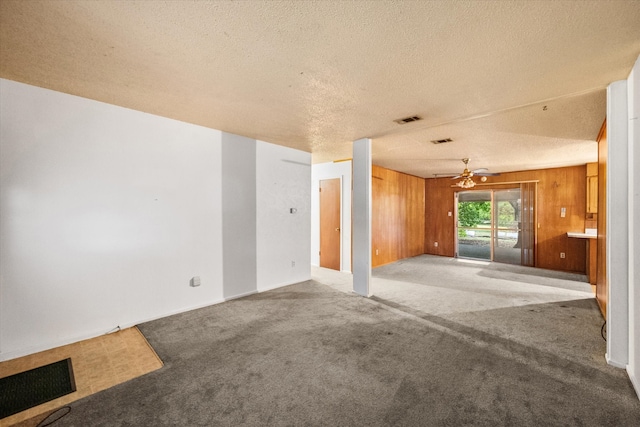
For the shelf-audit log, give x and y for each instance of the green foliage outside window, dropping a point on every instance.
(507, 215)
(471, 214)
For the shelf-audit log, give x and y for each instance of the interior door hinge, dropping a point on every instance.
(318, 253)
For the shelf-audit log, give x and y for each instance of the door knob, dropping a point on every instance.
(338, 229)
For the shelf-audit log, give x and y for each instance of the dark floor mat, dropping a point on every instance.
(31, 388)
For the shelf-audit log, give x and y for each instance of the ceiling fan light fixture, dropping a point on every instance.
(466, 182)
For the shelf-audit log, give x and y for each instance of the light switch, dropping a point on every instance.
(563, 212)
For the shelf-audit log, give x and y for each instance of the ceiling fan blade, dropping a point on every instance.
(456, 177)
(479, 170)
(445, 175)
(487, 174)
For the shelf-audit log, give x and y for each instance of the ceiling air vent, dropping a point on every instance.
(408, 120)
(441, 141)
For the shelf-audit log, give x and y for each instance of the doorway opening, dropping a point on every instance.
(496, 225)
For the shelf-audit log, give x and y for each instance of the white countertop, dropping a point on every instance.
(589, 235)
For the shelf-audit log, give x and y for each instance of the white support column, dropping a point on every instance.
(633, 98)
(617, 225)
(362, 216)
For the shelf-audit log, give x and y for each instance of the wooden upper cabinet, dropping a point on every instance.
(592, 188)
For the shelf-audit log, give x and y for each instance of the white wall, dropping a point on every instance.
(633, 97)
(107, 213)
(617, 225)
(332, 170)
(238, 215)
(105, 216)
(283, 238)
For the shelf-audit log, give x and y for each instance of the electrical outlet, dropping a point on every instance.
(435, 244)
(376, 252)
(561, 254)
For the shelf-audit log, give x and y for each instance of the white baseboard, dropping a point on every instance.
(59, 343)
(282, 284)
(96, 333)
(614, 363)
(172, 312)
(49, 345)
(245, 294)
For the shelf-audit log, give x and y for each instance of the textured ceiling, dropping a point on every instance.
(318, 75)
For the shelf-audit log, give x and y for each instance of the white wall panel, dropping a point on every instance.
(617, 225)
(283, 238)
(633, 97)
(105, 216)
(238, 215)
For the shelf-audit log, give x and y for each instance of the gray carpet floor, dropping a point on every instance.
(528, 352)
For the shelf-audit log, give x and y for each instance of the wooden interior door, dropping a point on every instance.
(330, 223)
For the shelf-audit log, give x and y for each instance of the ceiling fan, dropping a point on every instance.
(466, 175)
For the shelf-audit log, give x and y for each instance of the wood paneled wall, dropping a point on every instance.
(397, 216)
(557, 188)
(601, 281)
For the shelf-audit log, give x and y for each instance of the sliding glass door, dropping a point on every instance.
(497, 225)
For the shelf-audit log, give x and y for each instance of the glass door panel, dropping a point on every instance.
(474, 225)
(507, 231)
(528, 220)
